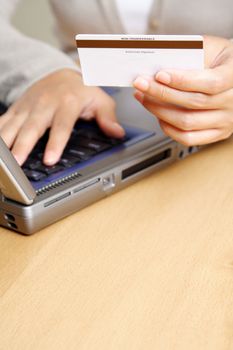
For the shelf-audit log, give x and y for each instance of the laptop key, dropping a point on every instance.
(37, 155)
(49, 170)
(92, 144)
(32, 164)
(99, 136)
(98, 146)
(34, 175)
(81, 152)
(68, 161)
(87, 133)
(109, 140)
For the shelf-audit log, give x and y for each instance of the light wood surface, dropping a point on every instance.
(150, 267)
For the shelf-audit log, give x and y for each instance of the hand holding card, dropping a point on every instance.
(117, 60)
(194, 107)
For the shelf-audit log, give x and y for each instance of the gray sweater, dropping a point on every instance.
(24, 60)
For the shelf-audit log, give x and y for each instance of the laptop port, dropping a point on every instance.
(190, 149)
(57, 199)
(108, 182)
(181, 154)
(12, 225)
(136, 168)
(9, 217)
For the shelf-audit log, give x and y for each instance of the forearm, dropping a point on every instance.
(23, 60)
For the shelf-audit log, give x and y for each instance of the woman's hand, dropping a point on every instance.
(56, 102)
(194, 107)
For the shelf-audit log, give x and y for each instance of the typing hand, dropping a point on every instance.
(55, 102)
(194, 107)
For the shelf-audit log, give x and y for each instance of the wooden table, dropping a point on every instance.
(150, 267)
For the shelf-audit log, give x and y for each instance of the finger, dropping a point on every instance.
(209, 81)
(31, 131)
(191, 100)
(139, 96)
(60, 131)
(146, 99)
(194, 138)
(188, 119)
(4, 118)
(107, 121)
(12, 125)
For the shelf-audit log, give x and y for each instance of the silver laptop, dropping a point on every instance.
(92, 167)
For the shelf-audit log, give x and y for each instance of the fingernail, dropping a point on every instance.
(50, 158)
(139, 96)
(163, 77)
(118, 128)
(141, 84)
(115, 128)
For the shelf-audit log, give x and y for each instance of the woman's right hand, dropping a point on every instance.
(55, 102)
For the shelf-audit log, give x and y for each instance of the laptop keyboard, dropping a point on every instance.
(86, 141)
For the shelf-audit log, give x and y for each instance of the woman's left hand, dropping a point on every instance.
(194, 107)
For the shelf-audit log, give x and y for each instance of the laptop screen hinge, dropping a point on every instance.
(13, 182)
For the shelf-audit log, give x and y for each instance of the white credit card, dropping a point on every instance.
(117, 60)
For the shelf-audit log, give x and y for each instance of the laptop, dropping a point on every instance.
(93, 166)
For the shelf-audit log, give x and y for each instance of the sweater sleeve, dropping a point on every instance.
(24, 60)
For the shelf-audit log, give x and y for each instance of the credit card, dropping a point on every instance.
(117, 60)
